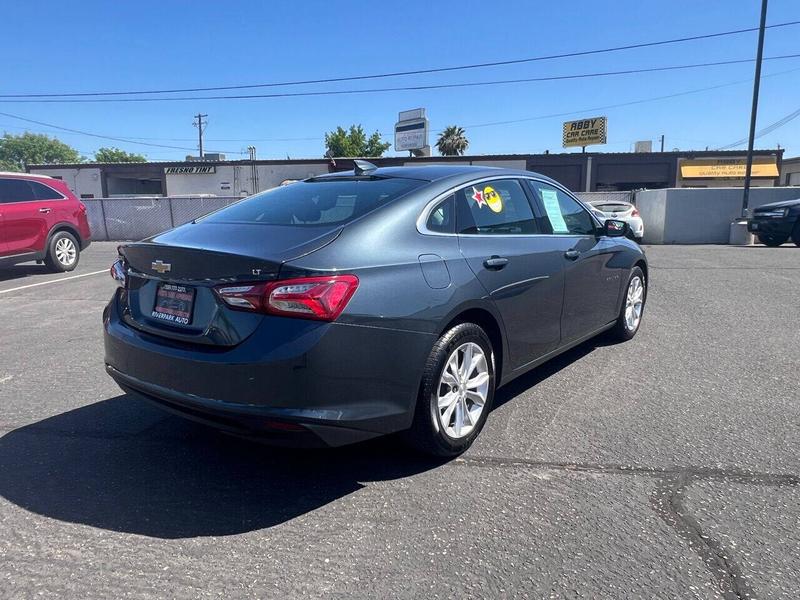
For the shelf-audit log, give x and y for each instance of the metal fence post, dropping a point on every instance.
(171, 214)
(105, 222)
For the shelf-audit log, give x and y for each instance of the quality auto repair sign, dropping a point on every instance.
(585, 132)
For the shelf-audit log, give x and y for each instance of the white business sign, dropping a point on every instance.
(411, 130)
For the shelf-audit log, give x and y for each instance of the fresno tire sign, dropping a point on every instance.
(585, 132)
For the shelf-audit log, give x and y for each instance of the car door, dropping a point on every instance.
(522, 275)
(27, 209)
(591, 275)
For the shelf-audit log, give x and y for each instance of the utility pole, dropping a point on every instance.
(754, 110)
(200, 124)
(662, 142)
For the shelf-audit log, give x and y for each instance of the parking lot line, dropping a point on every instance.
(24, 287)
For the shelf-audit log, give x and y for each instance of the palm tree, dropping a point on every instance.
(452, 141)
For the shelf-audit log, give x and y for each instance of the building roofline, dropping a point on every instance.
(421, 160)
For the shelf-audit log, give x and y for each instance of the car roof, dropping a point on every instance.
(438, 172)
(20, 175)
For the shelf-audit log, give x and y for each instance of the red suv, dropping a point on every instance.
(41, 220)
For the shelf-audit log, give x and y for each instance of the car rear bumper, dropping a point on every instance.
(341, 383)
(771, 226)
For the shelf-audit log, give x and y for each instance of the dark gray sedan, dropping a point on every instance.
(357, 304)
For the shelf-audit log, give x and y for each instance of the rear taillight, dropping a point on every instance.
(119, 273)
(321, 298)
(635, 212)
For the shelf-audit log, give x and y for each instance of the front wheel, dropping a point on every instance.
(630, 315)
(773, 241)
(456, 392)
(63, 252)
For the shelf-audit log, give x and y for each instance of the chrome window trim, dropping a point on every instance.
(422, 220)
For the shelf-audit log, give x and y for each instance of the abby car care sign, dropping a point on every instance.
(584, 132)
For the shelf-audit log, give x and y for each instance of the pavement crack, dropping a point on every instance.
(695, 472)
(668, 502)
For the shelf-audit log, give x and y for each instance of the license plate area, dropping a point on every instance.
(174, 304)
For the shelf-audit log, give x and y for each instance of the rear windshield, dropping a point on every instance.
(612, 207)
(331, 201)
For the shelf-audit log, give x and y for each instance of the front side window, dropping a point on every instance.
(498, 207)
(562, 214)
(321, 201)
(16, 190)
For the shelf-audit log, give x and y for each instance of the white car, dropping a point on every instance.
(622, 211)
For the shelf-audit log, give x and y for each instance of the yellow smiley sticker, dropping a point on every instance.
(492, 199)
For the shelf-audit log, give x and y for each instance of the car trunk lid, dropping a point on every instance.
(172, 276)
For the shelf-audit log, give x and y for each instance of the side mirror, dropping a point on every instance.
(614, 228)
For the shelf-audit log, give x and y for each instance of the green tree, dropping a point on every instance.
(115, 155)
(19, 151)
(354, 142)
(452, 141)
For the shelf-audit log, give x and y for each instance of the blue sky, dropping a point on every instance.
(108, 46)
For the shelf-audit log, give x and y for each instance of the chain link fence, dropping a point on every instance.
(122, 219)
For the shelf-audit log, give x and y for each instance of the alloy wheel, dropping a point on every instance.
(634, 302)
(65, 251)
(463, 389)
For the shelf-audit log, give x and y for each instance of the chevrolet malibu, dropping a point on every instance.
(381, 300)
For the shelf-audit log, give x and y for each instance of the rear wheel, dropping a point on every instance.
(796, 234)
(63, 252)
(773, 241)
(630, 315)
(456, 393)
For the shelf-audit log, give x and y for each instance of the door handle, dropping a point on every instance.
(45, 210)
(572, 254)
(495, 262)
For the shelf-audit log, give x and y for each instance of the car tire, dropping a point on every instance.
(773, 241)
(796, 234)
(447, 418)
(633, 300)
(63, 252)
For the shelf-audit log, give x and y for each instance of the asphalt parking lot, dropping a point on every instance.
(664, 467)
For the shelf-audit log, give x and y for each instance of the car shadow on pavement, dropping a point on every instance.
(124, 465)
(22, 271)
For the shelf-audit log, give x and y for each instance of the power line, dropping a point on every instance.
(409, 88)
(133, 140)
(767, 130)
(105, 137)
(414, 72)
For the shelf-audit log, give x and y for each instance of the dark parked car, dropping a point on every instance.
(41, 220)
(775, 223)
(352, 305)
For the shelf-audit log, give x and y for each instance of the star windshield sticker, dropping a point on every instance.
(477, 195)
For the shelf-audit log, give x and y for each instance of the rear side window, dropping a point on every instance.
(44, 192)
(16, 190)
(498, 207)
(442, 218)
(563, 214)
(324, 201)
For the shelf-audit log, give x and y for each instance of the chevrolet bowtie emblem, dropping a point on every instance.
(160, 266)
